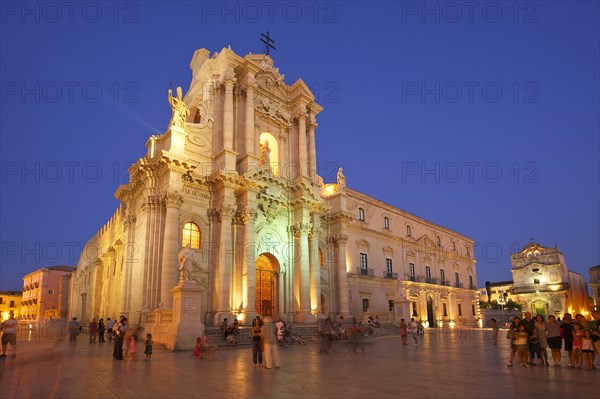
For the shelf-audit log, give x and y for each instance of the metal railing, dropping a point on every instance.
(365, 272)
(387, 274)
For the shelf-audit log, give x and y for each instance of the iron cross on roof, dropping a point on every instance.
(268, 42)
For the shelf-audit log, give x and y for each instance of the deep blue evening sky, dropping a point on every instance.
(499, 102)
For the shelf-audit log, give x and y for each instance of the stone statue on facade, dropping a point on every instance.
(186, 259)
(341, 179)
(265, 153)
(179, 109)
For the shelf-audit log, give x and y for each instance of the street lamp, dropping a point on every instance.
(502, 299)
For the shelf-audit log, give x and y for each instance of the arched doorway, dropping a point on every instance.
(267, 269)
(430, 315)
(539, 307)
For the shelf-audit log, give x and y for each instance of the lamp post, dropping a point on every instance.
(502, 299)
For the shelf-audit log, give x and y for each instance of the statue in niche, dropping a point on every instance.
(265, 153)
(341, 179)
(179, 108)
(186, 259)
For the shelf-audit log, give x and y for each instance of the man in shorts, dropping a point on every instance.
(9, 334)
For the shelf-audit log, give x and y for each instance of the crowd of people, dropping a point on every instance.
(530, 339)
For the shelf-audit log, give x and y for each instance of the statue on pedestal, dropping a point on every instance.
(341, 179)
(185, 263)
(265, 153)
(179, 109)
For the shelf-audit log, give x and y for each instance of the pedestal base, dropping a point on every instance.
(187, 323)
(402, 310)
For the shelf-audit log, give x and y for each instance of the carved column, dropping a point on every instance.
(302, 272)
(249, 265)
(250, 139)
(225, 262)
(312, 154)
(451, 304)
(341, 240)
(228, 114)
(170, 263)
(129, 261)
(315, 266)
(302, 145)
(151, 289)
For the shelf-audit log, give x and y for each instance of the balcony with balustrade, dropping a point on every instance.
(365, 272)
(391, 275)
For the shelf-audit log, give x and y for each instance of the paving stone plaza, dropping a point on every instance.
(445, 364)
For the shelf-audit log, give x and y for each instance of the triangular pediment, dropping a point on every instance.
(425, 240)
(300, 89)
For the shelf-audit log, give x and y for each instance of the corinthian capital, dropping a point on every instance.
(172, 199)
(226, 211)
(250, 85)
(341, 239)
(301, 228)
(249, 215)
(314, 233)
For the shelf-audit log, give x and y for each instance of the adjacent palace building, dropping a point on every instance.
(225, 216)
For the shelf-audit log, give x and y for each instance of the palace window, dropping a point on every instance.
(428, 272)
(12, 304)
(391, 306)
(363, 263)
(438, 241)
(386, 223)
(471, 282)
(459, 309)
(457, 278)
(388, 267)
(408, 231)
(445, 308)
(442, 276)
(191, 235)
(473, 309)
(411, 270)
(361, 214)
(414, 312)
(365, 304)
(453, 246)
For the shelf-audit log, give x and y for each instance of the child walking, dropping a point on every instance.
(587, 348)
(148, 350)
(404, 331)
(535, 347)
(133, 346)
(577, 346)
(201, 346)
(522, 345)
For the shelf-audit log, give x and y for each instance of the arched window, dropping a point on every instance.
(361, 214)
(191, 235)
(408, 231)
(386, 223)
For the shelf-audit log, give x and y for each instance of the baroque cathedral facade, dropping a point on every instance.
(229, 202)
